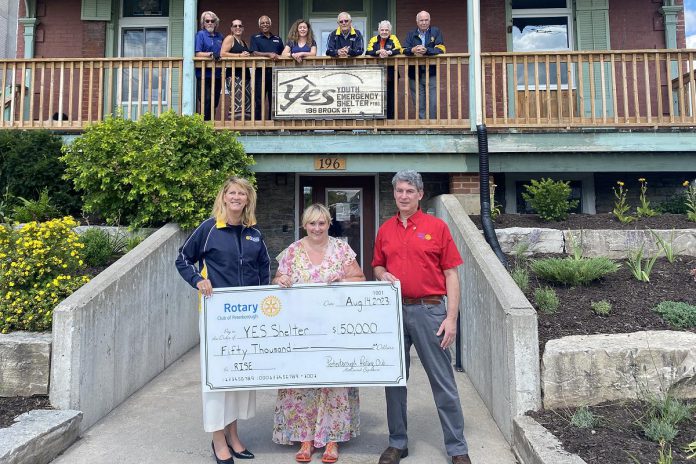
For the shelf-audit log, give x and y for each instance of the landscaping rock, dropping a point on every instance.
(590, 369)
(25, 359)
(539, 240)
(616, 244)
(39, 436)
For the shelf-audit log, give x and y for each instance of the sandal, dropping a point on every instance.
(305, 452)
(331, 453)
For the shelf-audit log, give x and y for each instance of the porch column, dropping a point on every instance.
(188, 99)
(670, 13)
(29, 25)
(473, 10)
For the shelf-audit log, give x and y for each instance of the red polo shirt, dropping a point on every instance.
(418, 254)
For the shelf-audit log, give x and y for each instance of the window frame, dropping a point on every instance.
(546, 13)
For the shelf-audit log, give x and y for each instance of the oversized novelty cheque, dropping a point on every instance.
(313, 335)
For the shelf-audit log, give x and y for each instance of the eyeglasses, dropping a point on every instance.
(343, 21)
(209, 21)
(237, 25)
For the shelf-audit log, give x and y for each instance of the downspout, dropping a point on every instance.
(485, 192)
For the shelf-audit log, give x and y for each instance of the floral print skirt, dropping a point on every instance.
(319, 415)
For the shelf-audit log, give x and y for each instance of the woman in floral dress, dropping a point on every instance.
(317, 417)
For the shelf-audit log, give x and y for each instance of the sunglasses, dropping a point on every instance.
(237, 25)
(344, 21)
(209, 21)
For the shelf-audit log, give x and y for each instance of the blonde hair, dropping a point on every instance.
(212, 15)
(314, 212)
(249, 211)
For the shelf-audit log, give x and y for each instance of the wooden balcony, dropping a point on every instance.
(641, 89)
(69, 94)
(613, 89)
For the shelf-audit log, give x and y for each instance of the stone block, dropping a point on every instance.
(590, 369)
(25, 359)
(616, 244)
(539, 240)
(38, 436)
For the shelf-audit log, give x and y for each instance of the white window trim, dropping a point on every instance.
(549, 13)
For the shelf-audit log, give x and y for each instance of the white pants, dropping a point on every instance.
(223, 408)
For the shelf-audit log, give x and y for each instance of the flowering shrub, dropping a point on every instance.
(38, 265)
(550, 199)
(690, 200)
(621, 207)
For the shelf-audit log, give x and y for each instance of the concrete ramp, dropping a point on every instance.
(162, 423)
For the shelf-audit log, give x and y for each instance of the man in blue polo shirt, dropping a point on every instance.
(267, 45)
(345, 41)
(207, 45)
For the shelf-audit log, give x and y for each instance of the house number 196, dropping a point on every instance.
(329, 163)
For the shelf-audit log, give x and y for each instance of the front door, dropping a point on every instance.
(351, 201)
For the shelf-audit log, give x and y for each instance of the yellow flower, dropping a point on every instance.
(685, 183)
(621, 184)
(642, 179)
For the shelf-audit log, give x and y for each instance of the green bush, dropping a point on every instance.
(158, 169)
(570, 271)
(35, 210)
(675, 204)
(521, 277)
(39, 266)
(546, 300)
(583, 418)
(29, 163)
(677, 314)
(549, 198)
(657, 430)
(601, 308)
(101, 246)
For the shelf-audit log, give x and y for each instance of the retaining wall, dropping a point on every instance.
(124, 327)
(500, 349)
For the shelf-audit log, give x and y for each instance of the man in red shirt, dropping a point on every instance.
(417, 249)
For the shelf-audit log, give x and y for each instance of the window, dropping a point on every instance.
(139, 8)
(137, 42)
(541, 25)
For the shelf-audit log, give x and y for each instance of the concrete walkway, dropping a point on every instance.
(162, 423)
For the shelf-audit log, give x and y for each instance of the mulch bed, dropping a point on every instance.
(14, 406)
(591, 221)
(617, 434)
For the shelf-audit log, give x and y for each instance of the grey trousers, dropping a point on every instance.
(432, 95)
(421, 323)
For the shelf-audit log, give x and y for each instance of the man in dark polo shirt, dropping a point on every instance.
(267, 45)
(417, 249)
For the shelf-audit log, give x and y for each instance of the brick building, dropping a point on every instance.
(590, 91)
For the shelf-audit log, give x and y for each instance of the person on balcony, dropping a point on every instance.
(207, 45)
(226, 250)
(345, 41)
(317, 417)
(300, 42)
(417, 249)
(385, 45)
(425, 40)
(235, 46)
(264, 44)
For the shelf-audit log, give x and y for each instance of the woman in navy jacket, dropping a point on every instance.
(227, 251)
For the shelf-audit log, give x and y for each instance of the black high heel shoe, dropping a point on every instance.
(246, 454)
(221, 461)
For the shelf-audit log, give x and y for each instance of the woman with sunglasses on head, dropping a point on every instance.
(300, 42)
(235, 46)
